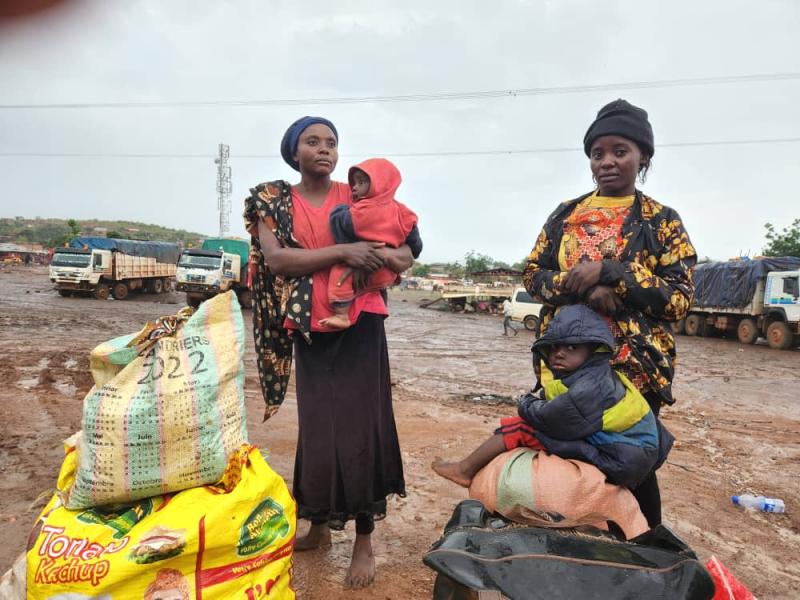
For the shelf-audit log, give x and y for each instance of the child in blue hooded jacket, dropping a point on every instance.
(588, 412)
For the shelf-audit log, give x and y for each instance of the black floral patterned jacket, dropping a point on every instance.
(653, 276)
(275, 297)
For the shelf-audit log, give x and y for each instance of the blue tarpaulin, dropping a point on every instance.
(163, 252)
(732, 284)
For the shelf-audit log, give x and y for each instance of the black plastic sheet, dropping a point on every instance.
(483, 555)
(732, 284)
(163, 252)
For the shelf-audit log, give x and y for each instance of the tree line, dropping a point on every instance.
(474, 262)
(54, 233)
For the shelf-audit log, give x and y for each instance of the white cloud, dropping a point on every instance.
(189, 51)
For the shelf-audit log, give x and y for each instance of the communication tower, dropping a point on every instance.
(224, 189)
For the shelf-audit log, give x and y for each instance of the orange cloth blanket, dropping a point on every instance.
(578, 491)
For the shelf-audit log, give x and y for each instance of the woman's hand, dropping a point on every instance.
(604, 299)
(583, 276)
(397, 259)
(362, 255)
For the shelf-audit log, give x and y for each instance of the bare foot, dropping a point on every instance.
(335, 322)
(451, 471)
(361, 572)
(319, 536)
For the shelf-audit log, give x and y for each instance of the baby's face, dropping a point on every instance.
(361, 185)
(568, 357)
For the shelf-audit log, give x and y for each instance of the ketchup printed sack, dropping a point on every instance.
(233, 540)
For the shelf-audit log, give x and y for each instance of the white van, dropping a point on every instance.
(524, 309)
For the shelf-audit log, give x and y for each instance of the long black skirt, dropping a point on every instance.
(348, 455)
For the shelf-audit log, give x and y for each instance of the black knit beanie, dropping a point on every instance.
(621, 118)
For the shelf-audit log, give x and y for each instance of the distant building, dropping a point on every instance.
(28, 254)
(498, 277)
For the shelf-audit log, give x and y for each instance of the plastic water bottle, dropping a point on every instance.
(773, 505)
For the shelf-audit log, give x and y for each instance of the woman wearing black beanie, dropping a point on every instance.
(625, 255)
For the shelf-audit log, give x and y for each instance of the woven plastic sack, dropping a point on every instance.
(167, 409)
(728, 587)
(231, 540)
(12, 583)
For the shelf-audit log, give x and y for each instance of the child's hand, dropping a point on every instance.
(360, 280)
(527, 399)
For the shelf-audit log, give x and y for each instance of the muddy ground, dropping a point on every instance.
(737, 421)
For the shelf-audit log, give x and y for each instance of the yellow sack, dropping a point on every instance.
(167, 408)
(231, 540)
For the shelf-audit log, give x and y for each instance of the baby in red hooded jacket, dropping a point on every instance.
(375, 216)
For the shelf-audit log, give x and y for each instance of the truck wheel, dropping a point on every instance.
(64, 293)
(530, 322)
(679, 327)
(747, 331)
(101, 291)
(120, 290)
(166, 285)
(695, 325)
(245, 298)
(157, 286)
(779, 336)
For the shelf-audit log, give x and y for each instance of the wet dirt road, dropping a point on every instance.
(737, 421)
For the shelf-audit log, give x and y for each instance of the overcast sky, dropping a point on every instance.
(99, 51)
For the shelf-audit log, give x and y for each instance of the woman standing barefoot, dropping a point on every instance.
(348, 455)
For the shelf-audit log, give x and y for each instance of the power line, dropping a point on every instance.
(390, 154)
(101, 155)
(430, 97)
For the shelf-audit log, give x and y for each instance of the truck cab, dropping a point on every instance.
(205, 273)
(524, 308)
(218, 266)
(782, 308)
(79, 269)
(783, 291)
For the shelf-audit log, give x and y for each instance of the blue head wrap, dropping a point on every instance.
(292, 137)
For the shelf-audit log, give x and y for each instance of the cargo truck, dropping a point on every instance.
(748, 297)
(218, 266)
(101, 266)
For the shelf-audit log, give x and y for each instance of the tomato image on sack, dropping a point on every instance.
(169, 584)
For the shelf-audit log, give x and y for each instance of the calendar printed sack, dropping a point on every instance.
(226, 541)
(167, 409)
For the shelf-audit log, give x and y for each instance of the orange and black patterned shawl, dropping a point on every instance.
(275, 297)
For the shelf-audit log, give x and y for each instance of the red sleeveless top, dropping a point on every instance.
(312, 230)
